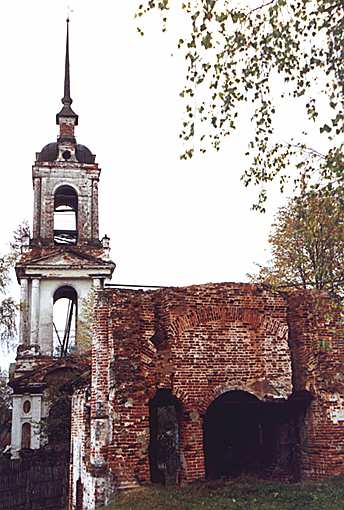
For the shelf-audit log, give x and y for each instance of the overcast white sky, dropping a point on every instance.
(170, 222)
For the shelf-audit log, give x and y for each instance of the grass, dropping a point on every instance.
(244, 494)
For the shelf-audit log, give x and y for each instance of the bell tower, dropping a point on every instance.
(65, 180)
(60, 265)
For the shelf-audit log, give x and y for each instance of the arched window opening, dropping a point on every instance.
(164, 455)
(64, 321)
(243, 435)
(65, 215)
(26, 435)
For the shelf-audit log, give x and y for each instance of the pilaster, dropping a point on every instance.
(24, 337)
(35, 306)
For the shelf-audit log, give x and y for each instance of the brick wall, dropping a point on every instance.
(80, 451)
(316, 340)
(200, 342)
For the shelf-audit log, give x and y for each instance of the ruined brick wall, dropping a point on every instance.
(80, 450)
(201, 342)
(198, 341)
(91, 435)
(316, 339)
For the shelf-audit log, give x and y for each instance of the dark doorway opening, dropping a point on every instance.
(164, 418)
(243, 435)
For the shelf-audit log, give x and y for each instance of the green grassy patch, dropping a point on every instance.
(244, 494)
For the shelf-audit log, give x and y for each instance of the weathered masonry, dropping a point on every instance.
(60, 265)
(162, 386)
(207, 381)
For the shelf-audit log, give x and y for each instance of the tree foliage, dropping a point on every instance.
(58, 422)
(5, 410)
(8, 307)
(54, 430)
(5, 397)
(23, 230)
(307, 245)
(236, 52)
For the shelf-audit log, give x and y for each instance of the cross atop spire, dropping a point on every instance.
(66, 110)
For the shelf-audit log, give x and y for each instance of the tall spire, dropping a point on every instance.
(67, 100)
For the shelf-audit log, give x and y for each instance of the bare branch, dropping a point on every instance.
(262, 6)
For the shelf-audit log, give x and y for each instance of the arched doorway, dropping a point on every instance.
(164, 454)
(65, 215)
(64, 320)
(243, 435)
(233, 435)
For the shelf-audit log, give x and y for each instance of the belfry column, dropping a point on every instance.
(34, 311)
(24, 311)
(16, 426)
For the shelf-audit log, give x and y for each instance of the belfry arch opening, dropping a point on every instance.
(64, 320)
(246, 436)
(65, 215)
(164, 445)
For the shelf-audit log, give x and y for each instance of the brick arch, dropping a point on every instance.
(249, 316)
(66, 183)
(186, 402)
(204, 402)
(217, 391)
(60, 286)
(180, 395)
